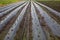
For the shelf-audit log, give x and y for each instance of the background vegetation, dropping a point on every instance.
(4, 2)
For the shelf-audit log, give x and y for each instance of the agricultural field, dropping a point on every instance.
(53, 4)
(29, 20)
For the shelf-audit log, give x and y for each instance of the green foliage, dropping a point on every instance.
(7, 1)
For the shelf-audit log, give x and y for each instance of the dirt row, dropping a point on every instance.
(48, 33)
(8, 25)
(2, 17)
(52, 15)
(25, 30)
